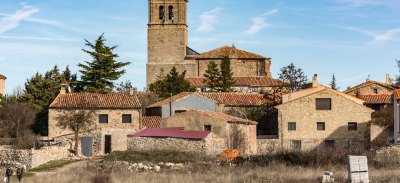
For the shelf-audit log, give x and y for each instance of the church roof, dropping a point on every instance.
(261, 81)
(2, 77)
(230, 51)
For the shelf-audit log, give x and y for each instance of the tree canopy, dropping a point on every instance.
(227, 80)
(99, 74)
(173, 83)
(212, 76)
(293, 77)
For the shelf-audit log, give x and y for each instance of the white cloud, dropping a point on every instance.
(360, 3)
(208, 20)
(377, 38)
(259, 23)
(38, 38)
(10, 22)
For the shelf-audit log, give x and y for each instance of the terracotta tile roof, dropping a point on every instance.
(223, 116)
(226, 98)
(367, 83)
(230, 51)
(239, 81)
(377, 98)
(150, 122)
(397, 93)
(2, 77)
(110, 100)
(176, 132)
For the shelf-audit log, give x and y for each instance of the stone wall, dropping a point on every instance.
(303, 112)
(240, 67)
(380, 136)
(211, 145)
(268, 146)
(370, 90)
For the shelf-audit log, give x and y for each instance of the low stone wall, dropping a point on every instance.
(31, 157)
(267, 146)
(211, 145)
(380, 136)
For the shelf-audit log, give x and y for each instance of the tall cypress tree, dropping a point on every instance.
(333, 82)
(98, 75)
(227, 80)
(212, 76)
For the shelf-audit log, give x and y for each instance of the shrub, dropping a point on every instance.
(102, 178)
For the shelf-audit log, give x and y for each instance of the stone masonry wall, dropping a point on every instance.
(370, 90)
(211, 145)
(303, 112)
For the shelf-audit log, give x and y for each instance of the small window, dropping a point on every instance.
(376, 90)
(171, 13)
(321, 126)
(203, 89)
(329, 144)
(207, 128)
(103, 118)
(296, 144)
(352, 126)
(292, 126)
(161, 13)
(323, 104)
(126, 118)
(180, 111)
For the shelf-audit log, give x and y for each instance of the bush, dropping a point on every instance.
(102, 178)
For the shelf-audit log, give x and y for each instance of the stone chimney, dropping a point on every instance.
(131, 91)
(388, 82)
(63, 89)
(315, 81)
(2, 85)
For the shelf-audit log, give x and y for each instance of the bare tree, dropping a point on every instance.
(17, 118)
(293, 76)
(77, 120)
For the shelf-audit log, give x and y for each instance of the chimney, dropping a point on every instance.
(388, 82)
(131, 91)
(63, 89)
(315, 81)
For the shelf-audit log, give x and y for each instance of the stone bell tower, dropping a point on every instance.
(167, 37)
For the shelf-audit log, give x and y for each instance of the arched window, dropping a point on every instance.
(161, 13)
(171, 12)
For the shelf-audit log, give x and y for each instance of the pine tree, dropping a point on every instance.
(173, 83)
(212, 76)
(227, 80)
(98, 75)
(333, 83)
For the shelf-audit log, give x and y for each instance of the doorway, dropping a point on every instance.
(107, 144)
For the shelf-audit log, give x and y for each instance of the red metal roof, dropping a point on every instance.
(176, 132)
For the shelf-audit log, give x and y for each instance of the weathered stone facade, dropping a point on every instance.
(212, 145)
(371, 87)
(302, 111)
(2, 84)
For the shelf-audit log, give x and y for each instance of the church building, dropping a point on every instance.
(168, 47)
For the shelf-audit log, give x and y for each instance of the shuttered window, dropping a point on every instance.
(103, 118)
(323, 104)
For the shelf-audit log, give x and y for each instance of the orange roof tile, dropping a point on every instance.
(377, 98)
(397, 92)
(229, 51)
(95, 100)
(240, 81)
(367, 83)
(2, 77)
(226, 98)
(150, 122)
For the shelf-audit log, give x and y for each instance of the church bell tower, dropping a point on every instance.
(167, 36)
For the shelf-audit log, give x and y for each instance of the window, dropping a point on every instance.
(292, 126)
(171, 12)
(352, 126)
(296, 144)
(126, 118)
(329, 144)
(179, 111)
(320, 126)
(376, 90)
(203, 89)
(161, 13)
(323, 104)
(103, 118)
(207, 128)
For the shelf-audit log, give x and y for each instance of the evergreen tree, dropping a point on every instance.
(227, 80)
(40, 90)
(173, 83)
(333, 83)
(212, 76)
(98, 75)
(293, 77)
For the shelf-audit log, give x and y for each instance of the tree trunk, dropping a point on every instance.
(76, 142)
(17, 133)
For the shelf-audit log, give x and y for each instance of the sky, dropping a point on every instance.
(354, 39)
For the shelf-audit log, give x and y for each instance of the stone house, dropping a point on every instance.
(396, 116)
(168, 46)
(377, 95)
(320, 117)
(238, 133)
(116, 115)
(256, 84)
(2, 85)
(176, 139)
(229, 102)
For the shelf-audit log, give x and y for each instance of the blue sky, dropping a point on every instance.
(351, 38)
